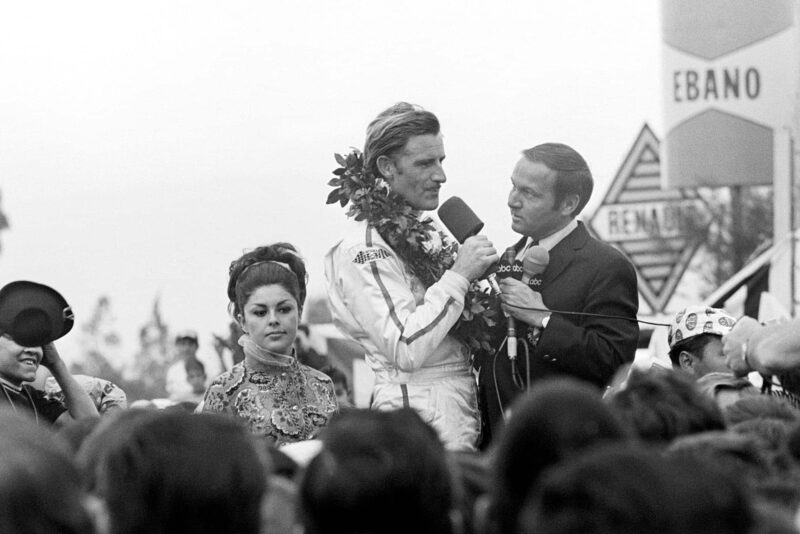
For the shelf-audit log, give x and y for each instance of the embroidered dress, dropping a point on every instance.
(285, 403)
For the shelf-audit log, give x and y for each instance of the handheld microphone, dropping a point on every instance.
(459, 219)
(511, 332)
(462, 222)
(535, 262)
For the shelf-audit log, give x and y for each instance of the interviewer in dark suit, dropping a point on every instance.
(550, 185)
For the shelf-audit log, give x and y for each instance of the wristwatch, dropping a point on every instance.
(546, 321)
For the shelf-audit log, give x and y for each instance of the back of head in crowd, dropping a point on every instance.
(622, 490)
(573, 176)
(389, 132)
(279, 263)
(557, 420)
(39, 487)
(695, 340)
(660, 405)
(340, 385)
(378, 472)
(174, 472)
(761, 407)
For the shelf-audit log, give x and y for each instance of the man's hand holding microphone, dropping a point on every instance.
(517, 296)
(475, 257)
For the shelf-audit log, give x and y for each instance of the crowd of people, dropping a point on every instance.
(463, 435)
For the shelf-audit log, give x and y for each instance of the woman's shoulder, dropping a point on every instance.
(314, 373)
(227, 377)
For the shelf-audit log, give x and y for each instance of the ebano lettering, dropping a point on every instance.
(716, 84)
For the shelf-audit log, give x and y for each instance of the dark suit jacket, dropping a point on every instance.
(584, 275)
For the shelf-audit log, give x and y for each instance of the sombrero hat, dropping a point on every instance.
(33, 314)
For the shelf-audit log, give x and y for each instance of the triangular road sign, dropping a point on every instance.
(659, 230)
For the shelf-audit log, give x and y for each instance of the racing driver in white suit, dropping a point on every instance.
(375, 299)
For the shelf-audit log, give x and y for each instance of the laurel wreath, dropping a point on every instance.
(426, 251)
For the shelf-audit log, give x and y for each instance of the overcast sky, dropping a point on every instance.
(144, 145)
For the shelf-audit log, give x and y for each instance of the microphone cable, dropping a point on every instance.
(586, 314)
(516, 378)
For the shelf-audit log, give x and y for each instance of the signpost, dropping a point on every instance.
(659, 230)
(730, 79)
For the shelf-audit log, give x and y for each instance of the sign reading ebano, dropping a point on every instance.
(712, 85)
(730, 72)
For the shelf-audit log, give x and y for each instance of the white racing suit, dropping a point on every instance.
(404, 332)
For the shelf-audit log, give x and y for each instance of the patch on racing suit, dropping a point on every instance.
(369, 255)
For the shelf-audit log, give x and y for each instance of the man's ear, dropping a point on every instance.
(386, 167)
(686, 361)
(569, 204)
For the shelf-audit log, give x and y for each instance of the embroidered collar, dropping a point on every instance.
(426, 251)
(263, 356)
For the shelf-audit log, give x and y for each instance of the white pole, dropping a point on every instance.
(781, 273)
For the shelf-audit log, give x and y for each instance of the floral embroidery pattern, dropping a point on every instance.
(285, 404)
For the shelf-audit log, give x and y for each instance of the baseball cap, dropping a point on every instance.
(695, 320)
(33, 314)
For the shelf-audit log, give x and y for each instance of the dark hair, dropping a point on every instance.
(557, 420)
(625, 489)
(39, 486)
(171, 471)
(389, 132)
(573, 176)
(261, 267)
(662, 404)
(761, 407)
(378, 472)
(761, 462)
(75, 431)
(694, 345)
(741, 456)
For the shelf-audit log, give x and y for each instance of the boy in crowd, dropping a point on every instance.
(695, 341)
(32, 316)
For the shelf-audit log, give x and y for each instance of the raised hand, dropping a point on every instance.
(475, 256)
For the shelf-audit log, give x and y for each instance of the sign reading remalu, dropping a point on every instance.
(658, 229)
(729, 79)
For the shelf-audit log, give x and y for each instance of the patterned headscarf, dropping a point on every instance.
(695, 320)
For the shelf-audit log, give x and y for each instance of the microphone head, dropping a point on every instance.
(459, 219)
(535, 261)
(510, 255)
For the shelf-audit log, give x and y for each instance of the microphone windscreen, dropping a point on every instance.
(459, 219)
(535, 261)
(510, 255)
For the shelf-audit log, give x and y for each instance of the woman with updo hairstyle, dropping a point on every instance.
(275, 395)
